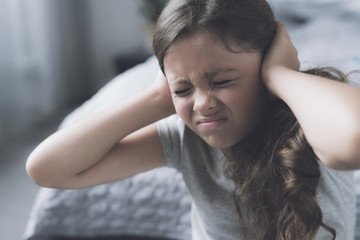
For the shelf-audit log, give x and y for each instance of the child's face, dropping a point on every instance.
(217, 93)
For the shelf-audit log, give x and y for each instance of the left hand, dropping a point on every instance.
(281, 53)
(161, 87)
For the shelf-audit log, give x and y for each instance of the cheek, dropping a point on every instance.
(244, 101)
(253, 102)
(233, 98)
(183, 108)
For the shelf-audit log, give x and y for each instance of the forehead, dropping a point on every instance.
(207, 42)
(206, 54)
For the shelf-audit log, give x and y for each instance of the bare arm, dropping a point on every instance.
(328, 111)
(112, 145)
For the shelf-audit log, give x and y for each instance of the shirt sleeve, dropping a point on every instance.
(170, 138)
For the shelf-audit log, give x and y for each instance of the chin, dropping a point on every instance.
(220, 144)
(223, 143)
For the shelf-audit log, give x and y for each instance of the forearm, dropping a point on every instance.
(328, 112)
(78, 147)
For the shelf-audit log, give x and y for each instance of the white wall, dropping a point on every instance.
(115, 28)
(54, 52)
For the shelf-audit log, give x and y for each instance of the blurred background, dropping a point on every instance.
(55, 54)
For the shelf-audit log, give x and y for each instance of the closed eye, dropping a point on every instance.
(182, 91)
(222, 82)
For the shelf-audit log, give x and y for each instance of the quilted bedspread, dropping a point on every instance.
(156, 203)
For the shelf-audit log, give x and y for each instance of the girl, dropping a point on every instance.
(257, 141)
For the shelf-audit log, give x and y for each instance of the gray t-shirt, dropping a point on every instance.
(214, 215)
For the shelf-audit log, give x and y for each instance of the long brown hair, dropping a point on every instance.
(277, 174)
(274, 168)
(250, 23)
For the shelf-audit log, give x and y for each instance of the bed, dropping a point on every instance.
(156, 204)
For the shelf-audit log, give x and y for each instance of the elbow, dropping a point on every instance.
(350, 158)
(45, 167)
(351, 155)
(43, 174)
(345, 154)
(354, 145)
(36, 172)
(355, 139)
(39, 173)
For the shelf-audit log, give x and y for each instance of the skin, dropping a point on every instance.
(217, 93)
(123, 141)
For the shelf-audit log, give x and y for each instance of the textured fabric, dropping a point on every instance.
(214, 214)
(154, 204)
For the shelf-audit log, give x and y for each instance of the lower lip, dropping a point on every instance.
(212, 125)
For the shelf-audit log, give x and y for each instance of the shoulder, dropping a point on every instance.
(174, 129)
(182, 147)
(337, 178)
(336, 197)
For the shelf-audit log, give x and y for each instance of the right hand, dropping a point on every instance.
(161, 86)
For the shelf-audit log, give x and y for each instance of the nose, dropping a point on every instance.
(205, 103)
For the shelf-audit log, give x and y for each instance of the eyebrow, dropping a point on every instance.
(210, 75)
(180, 81)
